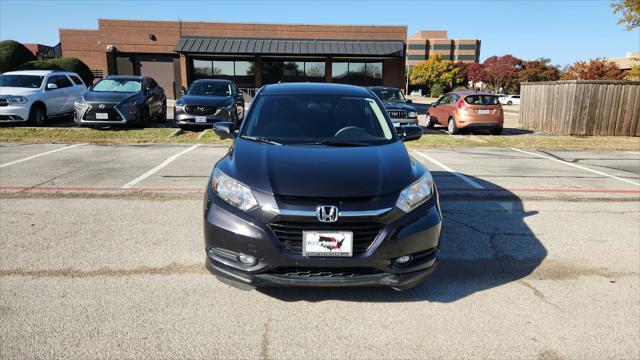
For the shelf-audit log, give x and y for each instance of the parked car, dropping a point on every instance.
(120, 100)
(510, 100)
(465, 110)
(208, 101)
(397, 106)
(319, 190)
(35, 95)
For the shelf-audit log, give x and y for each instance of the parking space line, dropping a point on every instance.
(634, 152)
(38, 155)
(158, 168)
(448, 169)
(578, 166)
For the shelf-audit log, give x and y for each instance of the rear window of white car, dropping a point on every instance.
(481, 100)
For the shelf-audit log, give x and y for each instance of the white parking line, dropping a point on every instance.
(577, 166)
(158, 168)
(446, 168)
(634, 152)
(38, 155)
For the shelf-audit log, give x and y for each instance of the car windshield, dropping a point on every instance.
(21, 81)
(322, 119)
(205, 88)
(481, 100)
(389, 94)
(117, 85)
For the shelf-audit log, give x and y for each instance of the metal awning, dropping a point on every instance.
(244, 46)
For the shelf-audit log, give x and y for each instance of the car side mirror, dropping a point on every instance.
(224, 130)
(182, 91)
(51, 86)
(409, 101)
(410, 132)
(146, 91)
(434, 104)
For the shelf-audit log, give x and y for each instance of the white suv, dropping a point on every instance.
(34, 95)
(509, 100)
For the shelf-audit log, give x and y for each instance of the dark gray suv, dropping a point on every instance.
(208, 101)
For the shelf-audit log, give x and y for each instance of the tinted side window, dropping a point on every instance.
(76, 80)
(63, 81)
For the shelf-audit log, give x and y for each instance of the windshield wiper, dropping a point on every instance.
(335, 143)
(260, 139)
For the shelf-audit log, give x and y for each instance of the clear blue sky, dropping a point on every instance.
(565, 31)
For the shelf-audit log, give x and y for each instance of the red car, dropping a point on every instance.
(462, 110)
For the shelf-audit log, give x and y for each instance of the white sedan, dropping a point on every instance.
(509, 100)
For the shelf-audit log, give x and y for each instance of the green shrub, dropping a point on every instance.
(437, 90)
(37, 65)
(12, 54)
(74, 65)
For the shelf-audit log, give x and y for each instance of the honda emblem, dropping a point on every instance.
(327, 213)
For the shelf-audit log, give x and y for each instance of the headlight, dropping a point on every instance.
(412, 114)
(17, 99)
(180, 105)
(80, 102)
(232, 191)
(416, 194)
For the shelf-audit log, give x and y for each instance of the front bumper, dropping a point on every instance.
(183, 118)
(407, 121)
(14, 113)
(229, 232)
(117, 115)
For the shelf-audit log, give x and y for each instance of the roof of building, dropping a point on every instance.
(218, 45)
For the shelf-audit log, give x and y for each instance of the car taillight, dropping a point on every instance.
(462, 105)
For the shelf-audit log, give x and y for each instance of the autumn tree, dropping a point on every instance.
(435, 71)
(538, 70)
(630, 12)
(634, 72)
(475, 72)
(502, 71)
(595, 69)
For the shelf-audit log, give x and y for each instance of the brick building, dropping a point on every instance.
(176, 53)
(425, 44)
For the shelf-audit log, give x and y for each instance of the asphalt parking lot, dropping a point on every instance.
(101, 256)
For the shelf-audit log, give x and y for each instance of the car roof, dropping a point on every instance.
(214, 80)
(471, 92)
(383, 88)
(35, 72)
(315, 88)
(125, 77)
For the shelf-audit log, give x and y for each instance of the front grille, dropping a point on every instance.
(290, 233)
(323, 272)
(90, 115)
(397, 114)
(4, 102)
(200, 110)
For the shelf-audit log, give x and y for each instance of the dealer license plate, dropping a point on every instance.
(102, 116)
(483, 112)
(201, 119)
(327, 243)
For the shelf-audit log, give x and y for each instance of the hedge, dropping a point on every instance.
(67, 64)
(38, 65)
(12, 54)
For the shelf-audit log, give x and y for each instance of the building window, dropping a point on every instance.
(241, 72)
(415, 57)
(357, 73)
(463, 57)
(417, 46)
(441, 47)
(466, 46)
(292, 71)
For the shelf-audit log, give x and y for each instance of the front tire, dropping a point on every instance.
(162, 117)
(146, 116)
(430, 122)
(510, 103)
(452, 127)
(496, 131)
(37, 115)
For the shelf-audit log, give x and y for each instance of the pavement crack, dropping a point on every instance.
(539, 294)
(170, 269)
(264, 342)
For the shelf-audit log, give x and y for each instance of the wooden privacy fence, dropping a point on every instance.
(581, 107)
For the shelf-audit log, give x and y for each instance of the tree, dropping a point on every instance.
(595, 69)
(13, 54)
(634, 72)
(630, 11)
(502, 71)
(538, 70)
(435, 71)
(475, 73)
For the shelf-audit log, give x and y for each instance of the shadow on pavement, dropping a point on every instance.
(485, 243)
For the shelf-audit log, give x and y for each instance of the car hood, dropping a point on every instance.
(206, 100)
(17, 91)
(107, 96)
(321, 171)
(390, 105)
